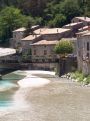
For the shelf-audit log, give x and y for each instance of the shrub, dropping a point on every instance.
(63, 47)
(77, 75)
(87, 81)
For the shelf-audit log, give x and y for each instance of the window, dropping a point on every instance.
(87, 46)
(45, 52)
(34, 52)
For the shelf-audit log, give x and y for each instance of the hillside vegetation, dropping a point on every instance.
(52, 13)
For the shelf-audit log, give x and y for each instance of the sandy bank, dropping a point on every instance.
(34, 81)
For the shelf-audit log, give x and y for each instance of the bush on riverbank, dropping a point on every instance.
(80, 77)
(87, 81)
(77, 75)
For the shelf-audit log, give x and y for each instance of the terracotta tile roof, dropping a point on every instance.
(83, 28)
(72, 24)
(30, 37)
(20, 29)
(83, 32)
(71, 39)
(34, 26)
(87, 19)
(50, 30)
(46, 42)
(87, 34)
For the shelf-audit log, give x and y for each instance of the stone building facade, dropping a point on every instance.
(27, 41)
(43, 51)
(18, 34)
(42, 41)
(83, 51)
(44, 48)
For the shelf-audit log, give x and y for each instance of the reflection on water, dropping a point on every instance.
(5, 99)
(13, 77)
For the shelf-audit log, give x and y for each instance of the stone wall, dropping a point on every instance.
(43, 50)
(82, 53)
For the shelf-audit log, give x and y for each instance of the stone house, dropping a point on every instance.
(18, 34)
(43, 51)
(27, 41)
(21, 33)
(84, 20)
(44, 48)
(73, 27)
(47, 34)
(53, 33)
(83, 51)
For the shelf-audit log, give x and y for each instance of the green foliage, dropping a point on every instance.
(64, 47)
(70, 9)
(10, 19)
(58, 21)
(37, 7)
(81, 77)
(61, 12)
(78, 75)
(38, 20)
(87, 81)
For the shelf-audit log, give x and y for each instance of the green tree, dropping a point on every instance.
(10, 19)
(70, 9)
(63, 47)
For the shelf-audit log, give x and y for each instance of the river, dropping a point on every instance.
(58, 100)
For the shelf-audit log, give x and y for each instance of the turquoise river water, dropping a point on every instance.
(8, 86)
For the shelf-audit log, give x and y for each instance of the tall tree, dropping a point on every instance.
(70, 9)
(10, 19)
(63, 48)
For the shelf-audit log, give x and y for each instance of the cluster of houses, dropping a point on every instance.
(41, 42)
